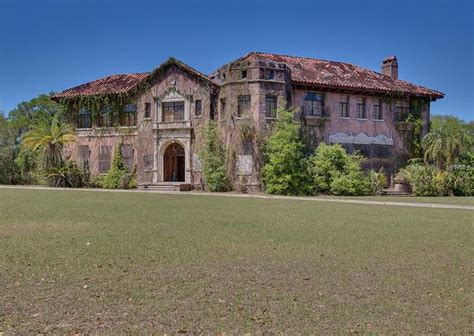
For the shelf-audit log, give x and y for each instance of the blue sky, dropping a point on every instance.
(53, 45)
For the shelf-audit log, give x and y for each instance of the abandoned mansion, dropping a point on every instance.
(159, 117)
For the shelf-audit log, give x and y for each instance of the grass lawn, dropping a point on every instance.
(414, 199)
(132, 263)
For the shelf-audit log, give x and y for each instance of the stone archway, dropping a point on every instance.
(174, 165)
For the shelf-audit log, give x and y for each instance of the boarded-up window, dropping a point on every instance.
(243, 105)
(198, 107)
(128, 154)
(173, 111)
(270, 107)
(105, 156)
(147, 162)
(84, 156)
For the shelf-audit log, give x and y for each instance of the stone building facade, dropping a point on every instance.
(159, 118)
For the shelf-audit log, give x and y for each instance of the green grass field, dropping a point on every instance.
(134, 263)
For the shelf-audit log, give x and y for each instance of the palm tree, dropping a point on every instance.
(442, 146)
(49, 135)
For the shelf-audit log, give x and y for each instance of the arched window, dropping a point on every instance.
(129, 115)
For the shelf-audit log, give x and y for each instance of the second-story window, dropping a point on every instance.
(313, 104)
(243, 105)
(402, 109)
(147, 110)
(378, 109)
(361, 108)
(173, 111)
(222, 109)
(243, 74)
(198, 107)
(128, 116)
(105, 117)
(344, 106)
(270, 107)
(84, 118)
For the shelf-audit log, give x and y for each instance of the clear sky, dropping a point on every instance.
(52, 45)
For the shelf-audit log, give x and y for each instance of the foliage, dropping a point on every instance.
(284, 171)
(116, 177)
(425, 180)
(377, 181)
(68, 175)
(214, 160)
(49, 136)
(442, 145)
(334, 171)
(10, 173)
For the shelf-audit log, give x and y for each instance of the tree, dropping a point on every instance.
(49, 137)
(334, 171)
(9, 171)
(447, 139)
(214, 162)
(284, 171)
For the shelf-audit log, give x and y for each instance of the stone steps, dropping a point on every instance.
(167, 186)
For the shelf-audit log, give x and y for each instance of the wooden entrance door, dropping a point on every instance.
(173, 163)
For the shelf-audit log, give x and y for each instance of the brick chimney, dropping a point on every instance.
(390, 67)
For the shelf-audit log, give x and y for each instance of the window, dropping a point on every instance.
(84, 118)
(244, 74)
(402, 109)
(313, 104)
(84, 156)
(105, 154)
(127, 154)
(270, 107)
(128, 116)
(147, 110)
(344, 105)
(247, 147)
(270, 74)
(243, 105)
(147, 162)
(378, 109)
(198, 107)
(361, 108)
(105, 117)
(173, 111)
(222, 110)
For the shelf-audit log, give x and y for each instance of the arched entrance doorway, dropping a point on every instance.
(173, 163)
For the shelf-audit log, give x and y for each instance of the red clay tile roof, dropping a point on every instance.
(331, 74)
(111, 84)
(125, 82)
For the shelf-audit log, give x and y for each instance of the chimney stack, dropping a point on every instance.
(390, 67)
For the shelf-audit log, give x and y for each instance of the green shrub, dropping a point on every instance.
(96, 181)
(69, 176)
(116, 176)
(334, 171)
(377, 181)
(214, 161)
(426, 180)
(461, 175)
(284, 171)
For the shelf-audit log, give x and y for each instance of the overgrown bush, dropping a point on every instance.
(116, 176)
(425, 180)
(214, 163)
(69, 176)
(334, 171)
(285, 169)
